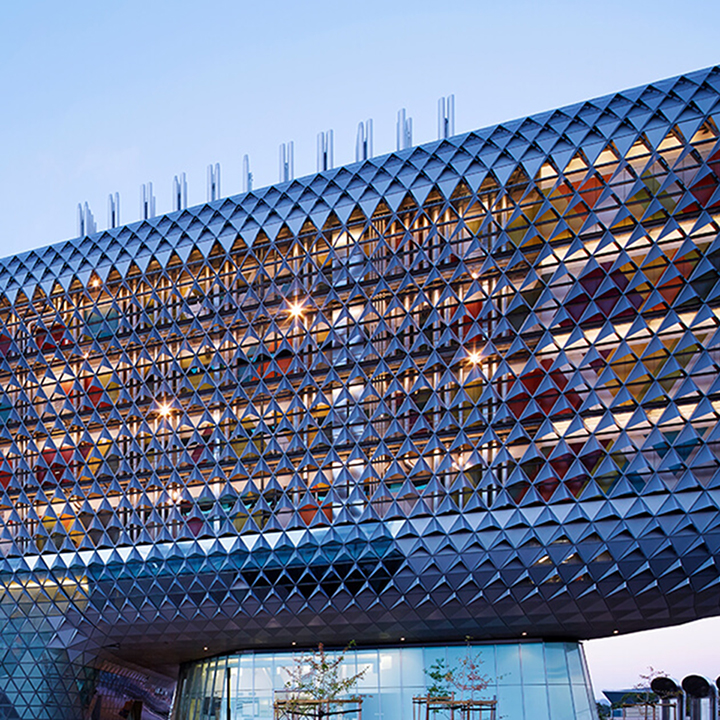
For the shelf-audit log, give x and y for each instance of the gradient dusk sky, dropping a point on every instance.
(99, 97)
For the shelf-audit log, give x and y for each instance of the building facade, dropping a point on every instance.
(466, 389)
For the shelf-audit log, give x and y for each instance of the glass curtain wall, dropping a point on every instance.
(531, 681)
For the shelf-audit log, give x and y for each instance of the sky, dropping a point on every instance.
(618, 662)
(100, 97)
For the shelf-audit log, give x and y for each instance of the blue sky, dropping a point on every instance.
(99, 97)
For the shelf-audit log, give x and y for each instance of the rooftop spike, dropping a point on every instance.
(213, 182)
(325, 151)
(287, 161)
(113, 210)
(147, 201)
(86, 221)
(403, 131)
(247, 178)
(180, 192)
(364, 142)
(446, 117)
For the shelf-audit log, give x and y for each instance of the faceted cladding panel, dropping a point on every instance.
(469, 388)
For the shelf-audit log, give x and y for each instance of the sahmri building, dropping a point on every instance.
(468, 389)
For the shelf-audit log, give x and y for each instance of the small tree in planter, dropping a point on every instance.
(454, 688)
(467, 678)
(440, 674)
(315, 688)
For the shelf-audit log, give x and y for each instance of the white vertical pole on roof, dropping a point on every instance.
(363, 144)
(246, 174)
(446, 117)
(287, 169)
(403, 130)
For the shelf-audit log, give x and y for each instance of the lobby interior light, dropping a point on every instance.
(474, 358)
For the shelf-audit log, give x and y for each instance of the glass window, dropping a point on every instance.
(245, 674)
(371, 707)
(392, 708)
(557, 671)
(263, 679)
(536, 703)
(508, 665)
(575, 664)
(533, 664)
(454, 654)
(390, 669)
(263, 707)
(283, 663)
(432, 655)
(370, 680)
(412, 669)
(561, 704)
(510, 702)
(489, 666)
(531, 681)
(407, 695)
(584, 708)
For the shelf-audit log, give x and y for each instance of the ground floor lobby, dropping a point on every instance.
(529, 680)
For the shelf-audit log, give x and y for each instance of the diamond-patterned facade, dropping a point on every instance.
(469, 388)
